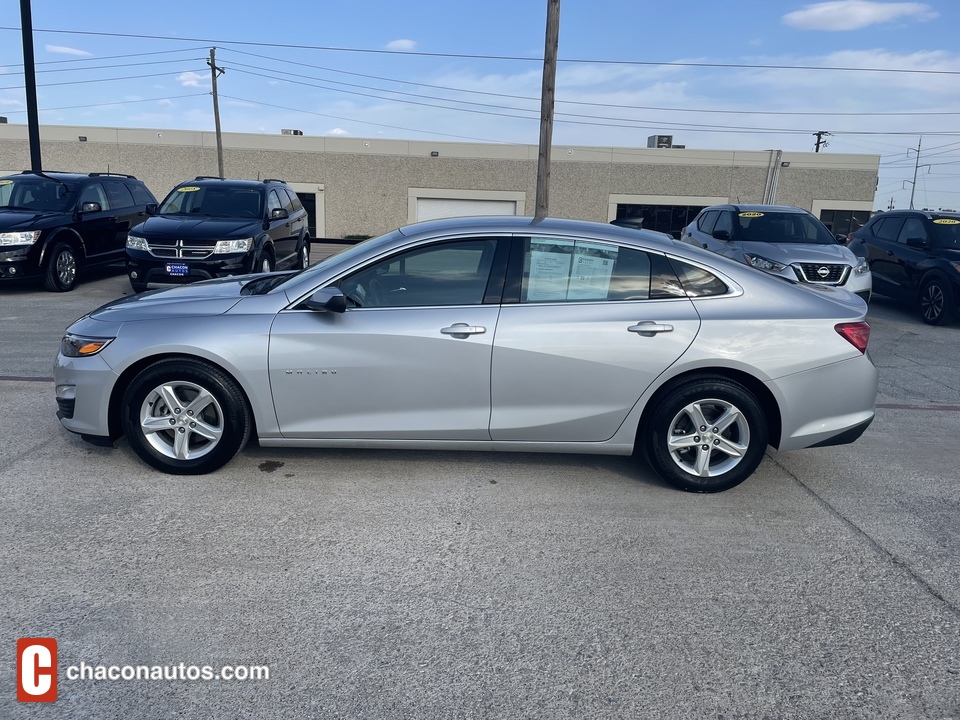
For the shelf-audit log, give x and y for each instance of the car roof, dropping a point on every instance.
(931, 214)
(203, 181)
(66, 176)
(534, 227)
(743, 207)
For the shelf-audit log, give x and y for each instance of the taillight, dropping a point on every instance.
(857, 334)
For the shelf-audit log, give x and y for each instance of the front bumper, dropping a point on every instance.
(146, 270)
(83, 388)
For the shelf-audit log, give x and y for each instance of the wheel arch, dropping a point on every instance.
(131, 372)
(69, 236)
(768, 403)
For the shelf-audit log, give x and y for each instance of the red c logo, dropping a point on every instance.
(36, 669)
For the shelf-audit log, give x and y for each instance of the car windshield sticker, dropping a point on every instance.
(188, 188)
(6, 182)
(751, 214)
(549, 269)
(946, 221)
(592, 269)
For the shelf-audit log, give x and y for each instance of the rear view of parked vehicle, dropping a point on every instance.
(915, 258)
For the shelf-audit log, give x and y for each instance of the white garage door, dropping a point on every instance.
(435, 208)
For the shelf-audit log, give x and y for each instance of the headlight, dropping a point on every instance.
(233, 246)
(861, 267)
(135, 242)
(19, 238)
(762, 263)
(80, 346)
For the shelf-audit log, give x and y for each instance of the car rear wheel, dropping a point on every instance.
(706, 435)
(185, 417)
(937, 303)
(61, 275)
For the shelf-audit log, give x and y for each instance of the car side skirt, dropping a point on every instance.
(591, 448)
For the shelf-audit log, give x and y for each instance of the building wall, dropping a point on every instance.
(366, 182)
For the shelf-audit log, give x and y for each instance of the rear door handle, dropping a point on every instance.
(463, 329)
(648, 328)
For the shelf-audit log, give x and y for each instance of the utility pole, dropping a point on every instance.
(30, 81)
(916, 167)
(820, 135)
(214, 73)
(546, 107)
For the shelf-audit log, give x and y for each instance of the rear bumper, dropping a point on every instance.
(829, 405)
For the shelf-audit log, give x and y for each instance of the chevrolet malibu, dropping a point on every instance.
(504, 334)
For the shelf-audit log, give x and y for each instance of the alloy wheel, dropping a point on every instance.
(708, 438)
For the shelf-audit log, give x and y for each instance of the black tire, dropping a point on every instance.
(190, 444)
(265, 264)
(303, 255)
(62, 269)
(936, 302)
(674, 445)
(138, 287)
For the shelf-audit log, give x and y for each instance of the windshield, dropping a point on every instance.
(780, 227)
(946, 233)
(31, 192)
(214, 201)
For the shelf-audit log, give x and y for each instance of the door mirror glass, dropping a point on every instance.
(916, 242)
(151, 208)
(841, 238)
(279, 214)
(721, 235)
(90, 207)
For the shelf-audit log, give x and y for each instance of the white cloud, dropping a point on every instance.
(402, 45)
(11, 102)
(337, 131)
(61, 50)
(855, 14)
(165, 103)
(192, 79)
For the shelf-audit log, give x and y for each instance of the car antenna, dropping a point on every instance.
(738, 199)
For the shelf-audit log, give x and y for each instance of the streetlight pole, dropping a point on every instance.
(30, 81)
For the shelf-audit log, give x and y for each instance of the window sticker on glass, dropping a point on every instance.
(751, 214)
(946, 221)
(188, 188)
(6, 182)
(592, 269)
(550, 262)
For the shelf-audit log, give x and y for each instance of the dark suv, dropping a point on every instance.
(210, 228)
(55, 224)
(915, 257)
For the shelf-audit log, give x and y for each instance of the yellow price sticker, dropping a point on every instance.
(751, 214)
(188, 188)
(6, 182)
(946, 221)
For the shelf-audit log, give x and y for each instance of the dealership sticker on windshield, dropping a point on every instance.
(751, 214)
(6, 182)
(946, 221)
(189, 188)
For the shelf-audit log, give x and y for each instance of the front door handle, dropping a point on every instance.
(462, 330)
(648, 328)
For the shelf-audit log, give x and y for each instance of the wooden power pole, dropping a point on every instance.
(214, 73)
(546, 107)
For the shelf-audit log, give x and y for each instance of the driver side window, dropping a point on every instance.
(94, 193)
(450, 273)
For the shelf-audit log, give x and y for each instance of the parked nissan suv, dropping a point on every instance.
(211, 228)
(781, 240)
(53, 225)
(915, 258)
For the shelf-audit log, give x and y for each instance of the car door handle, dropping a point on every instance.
(463, 329)
(648, 328)
(705, 245)
(890, 252)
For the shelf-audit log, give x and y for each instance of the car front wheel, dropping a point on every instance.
(61, 275)
(185, 417)
(706, 435)
(937, 302)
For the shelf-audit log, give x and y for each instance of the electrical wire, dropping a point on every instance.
(107, 57)
(118, 102)
(84, 82)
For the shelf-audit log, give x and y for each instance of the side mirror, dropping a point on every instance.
(841, 238)
(328, 299)
(151, 209)
(279, 214)
(90, 207)
(721, 235)
(919, 243)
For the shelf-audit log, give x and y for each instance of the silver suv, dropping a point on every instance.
(780, 240)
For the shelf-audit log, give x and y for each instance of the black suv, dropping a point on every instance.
(915, 257)
(54, 224)
(210, 228)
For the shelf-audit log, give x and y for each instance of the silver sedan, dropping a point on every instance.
(501, 334)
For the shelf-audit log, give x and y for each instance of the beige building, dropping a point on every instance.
(357, 186)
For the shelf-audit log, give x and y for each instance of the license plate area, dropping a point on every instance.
(178, 269)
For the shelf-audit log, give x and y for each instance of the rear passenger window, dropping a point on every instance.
(561, 270)
(285, 200)
(294, 201)
(118, 195)
(695, 282)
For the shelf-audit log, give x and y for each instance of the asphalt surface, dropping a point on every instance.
(381, 584)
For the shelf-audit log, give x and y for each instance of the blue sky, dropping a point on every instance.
(627, 70)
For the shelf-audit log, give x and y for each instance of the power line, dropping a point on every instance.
(84, 82)
(118, 102)
(465, 56)
(107, 57)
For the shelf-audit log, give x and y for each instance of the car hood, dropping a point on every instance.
(788, 253)
(18, 220)
(178, 226)
(210, 297)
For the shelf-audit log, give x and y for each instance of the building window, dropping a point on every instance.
(844, 221)
(670, 219)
